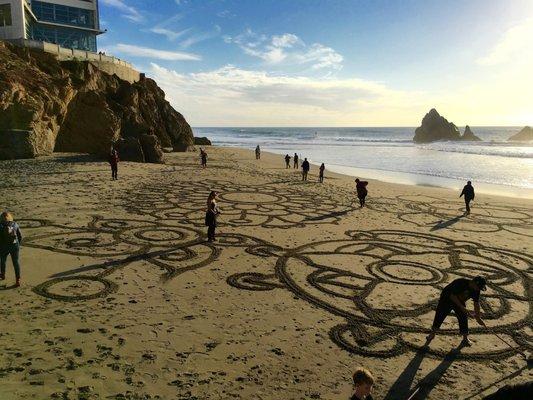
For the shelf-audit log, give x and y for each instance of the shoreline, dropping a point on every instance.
(409, 179)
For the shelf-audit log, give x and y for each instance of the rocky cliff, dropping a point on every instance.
(434, 127)
(71, 106)
(525, 135)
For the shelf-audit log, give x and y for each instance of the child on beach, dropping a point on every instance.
(305, 169)
(321, 173)
(287, 161)
(211, 215)
(113, 160)
(363, 382)
(10, 240)
(360, 187)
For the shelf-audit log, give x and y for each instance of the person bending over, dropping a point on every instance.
(454, 297)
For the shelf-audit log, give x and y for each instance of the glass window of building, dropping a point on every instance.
(5, 15)
(61, 14)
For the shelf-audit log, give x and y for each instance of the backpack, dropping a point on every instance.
(8, 234)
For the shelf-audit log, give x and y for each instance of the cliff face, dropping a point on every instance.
(47, 105)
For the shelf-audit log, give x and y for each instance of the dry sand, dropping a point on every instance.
(123, 298)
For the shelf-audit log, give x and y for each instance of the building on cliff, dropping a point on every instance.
(72, 24)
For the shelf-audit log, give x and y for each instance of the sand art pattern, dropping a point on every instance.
(382, 263)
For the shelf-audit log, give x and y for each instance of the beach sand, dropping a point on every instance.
(123, 298)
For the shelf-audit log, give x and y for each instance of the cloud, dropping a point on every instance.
(226, 14)
(287, 49)
(170, 35)
(200, 37)
(234, 96)
(130, 13)
(146, 52)
(515, 44)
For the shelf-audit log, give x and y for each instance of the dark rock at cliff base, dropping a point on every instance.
(525, 135)
(71, 106)
(469, 136)
(129, 149)
(202, 141)
(153, 152)
(434, 127)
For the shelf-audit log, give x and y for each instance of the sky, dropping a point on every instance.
(331, 62)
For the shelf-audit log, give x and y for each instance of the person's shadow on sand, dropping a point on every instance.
(445, 224)
(401, 389)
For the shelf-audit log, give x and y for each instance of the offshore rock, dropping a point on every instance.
(469, 136)
(525, 135)
(434, 127)
(202, 141)
(70, 106)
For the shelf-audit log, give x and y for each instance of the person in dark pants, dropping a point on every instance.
(305, 169)
(287, 161)
(113, 160)
(362, 192)
(321, 173)
(10, 240)
(363, 382)
(295, 160)
(468, 192)
(257, 153)
(211, 215)
(454, 297)
(203, 158)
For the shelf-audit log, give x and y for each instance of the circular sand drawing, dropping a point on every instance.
(379, 282)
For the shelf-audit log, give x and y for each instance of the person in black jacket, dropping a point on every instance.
(362, 192)
(211, 215)
(287, 161)
(468, 192)
(363, 382)
(305, 169)
(10, 240)
(295, 159)
(454, 297)
(321, 173)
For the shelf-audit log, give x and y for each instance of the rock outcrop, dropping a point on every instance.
(525, 135)
(434, 127)
(202, 141)
(469, 136)
(70, 106)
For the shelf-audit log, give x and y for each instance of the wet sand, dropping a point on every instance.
(123, 298)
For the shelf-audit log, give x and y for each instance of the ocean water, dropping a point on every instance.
(389, 154)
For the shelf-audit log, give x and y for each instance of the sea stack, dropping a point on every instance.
(469, 136)
(525, 135)
(435, 127)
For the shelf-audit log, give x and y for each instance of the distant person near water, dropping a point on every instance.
(203, 158)
(321, 173)
(362, 192)
(10, 240)
(454, 297)
(113, 161)
(468, 192)
(287, 161)
(295, 160)
(211, 215)
(363, 382)
(305, 169)
(257, 153)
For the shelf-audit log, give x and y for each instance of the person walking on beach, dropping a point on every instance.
(363, 382)
(362, 192)
(113, 160)
(203, 157)
(287, 161)
(305, 169)
(295, 161)
(211, 215)
(321, 173)
(257, 153)
(454, 297)
(10, 240)
(468, 192)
